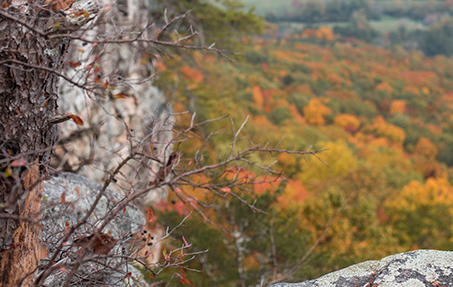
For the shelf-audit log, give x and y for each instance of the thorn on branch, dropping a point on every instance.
(58, 120)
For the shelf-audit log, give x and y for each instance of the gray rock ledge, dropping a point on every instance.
(418, 268)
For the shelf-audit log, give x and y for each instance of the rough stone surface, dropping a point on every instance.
(67, 198)
(143, 119)
(79, 193)
(411, 269)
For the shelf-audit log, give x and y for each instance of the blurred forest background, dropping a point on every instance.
(371, 81)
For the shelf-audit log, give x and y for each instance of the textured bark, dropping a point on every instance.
(28, 99)
(18, 265)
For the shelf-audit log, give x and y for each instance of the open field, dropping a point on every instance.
(264, 6)
(300, 26)
(387, 23)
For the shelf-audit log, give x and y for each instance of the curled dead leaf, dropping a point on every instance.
(63, 198)
(18, 162)
(74, 64)
(78, 120)
(99, 243)
(226, 189)
(149, 215)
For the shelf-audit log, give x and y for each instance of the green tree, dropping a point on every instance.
(278, 115)
(438, 39)
(223, 22)
(249, 246)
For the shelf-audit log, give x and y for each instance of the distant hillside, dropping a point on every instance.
(386, 118)
(412, 24)
(264, 7)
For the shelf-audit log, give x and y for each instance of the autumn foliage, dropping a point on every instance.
(386, 120)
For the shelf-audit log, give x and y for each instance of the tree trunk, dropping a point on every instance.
(18, 265)
(28, 96)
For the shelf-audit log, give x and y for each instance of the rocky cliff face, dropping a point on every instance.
(141, 117)
(111, 127)
(67, 198)
(418, 268)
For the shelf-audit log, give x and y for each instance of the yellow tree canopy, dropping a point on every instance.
(398, 106)
(384, 86)
(347, 120)
(425, 147)
(315, 112)
(325, 33)
(381, 128)
(422, 214)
